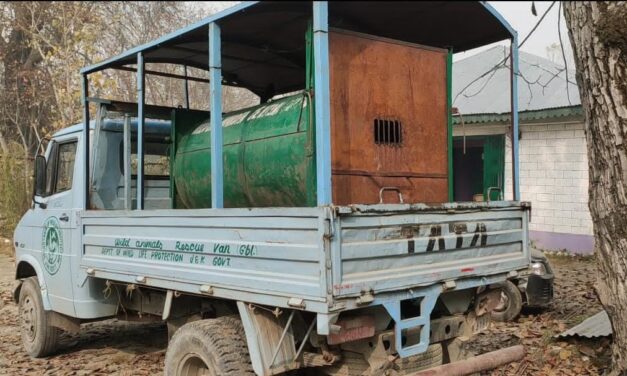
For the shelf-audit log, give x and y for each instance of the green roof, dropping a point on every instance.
(523, 116)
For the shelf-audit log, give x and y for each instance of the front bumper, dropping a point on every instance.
(539, 290)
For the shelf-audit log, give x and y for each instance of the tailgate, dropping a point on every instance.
(393, 247)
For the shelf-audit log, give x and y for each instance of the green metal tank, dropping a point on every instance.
(268, 156)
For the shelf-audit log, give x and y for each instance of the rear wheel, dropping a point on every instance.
(209, 347)
(38, 336)
(428, 359)
(355, 364)
(511, 302)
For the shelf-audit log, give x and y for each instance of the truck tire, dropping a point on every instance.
(428, 359)
(511, 302)
(38, 336)
(209, 347)
(352, 364)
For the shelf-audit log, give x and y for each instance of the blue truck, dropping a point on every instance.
(374, 275)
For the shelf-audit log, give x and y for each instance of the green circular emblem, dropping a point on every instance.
(52, 245)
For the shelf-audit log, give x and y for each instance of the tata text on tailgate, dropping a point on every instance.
(317, 228)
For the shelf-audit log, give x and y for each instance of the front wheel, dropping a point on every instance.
(38, 336)
(511, 302)
(213, 347)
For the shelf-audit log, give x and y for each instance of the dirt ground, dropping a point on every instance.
(575, 300)
(120, 348)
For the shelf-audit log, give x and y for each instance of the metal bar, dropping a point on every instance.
(167, 305)
(194, 79)
(278, 346)
(294, 65)
(160, 112)
(100, 115)
(140, 132)
(173, 141)
(449, 120)
(186, 93)
(514, 98)
(215, 83)
(128, 199)
(84, 96)
(305, 338)
(322, 102)
(98, 100)
(476, 364)
(164, 74)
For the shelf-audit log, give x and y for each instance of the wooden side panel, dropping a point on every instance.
(388, 120)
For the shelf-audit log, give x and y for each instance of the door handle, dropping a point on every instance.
(64, 218)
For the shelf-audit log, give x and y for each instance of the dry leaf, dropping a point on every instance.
(587, 350)
(565, 354)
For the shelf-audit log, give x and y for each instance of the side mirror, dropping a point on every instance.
(40, 177)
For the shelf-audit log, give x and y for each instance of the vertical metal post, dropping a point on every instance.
(449, 121)
(128, 199)
(186, 92)
(514, 99)
(140, 131)
(95, 138)
(87, 183)
(322, 102)
(215, 83)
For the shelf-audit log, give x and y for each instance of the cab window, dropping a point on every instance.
(60, 167)
(65, 166)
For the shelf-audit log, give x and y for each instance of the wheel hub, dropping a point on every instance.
(29, 319)
(194, 365)
(503, 303)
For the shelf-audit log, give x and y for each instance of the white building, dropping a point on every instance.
(553, 156)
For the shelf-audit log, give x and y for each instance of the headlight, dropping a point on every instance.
(538, 268)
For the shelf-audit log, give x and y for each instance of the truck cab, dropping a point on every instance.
(45, 239)
(48, 238)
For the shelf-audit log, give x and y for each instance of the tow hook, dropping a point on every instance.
(366, 297)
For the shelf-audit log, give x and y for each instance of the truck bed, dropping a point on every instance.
(313, 256)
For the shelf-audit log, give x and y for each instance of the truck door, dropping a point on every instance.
(56, 218)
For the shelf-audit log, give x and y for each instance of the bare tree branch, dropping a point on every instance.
(502, 62)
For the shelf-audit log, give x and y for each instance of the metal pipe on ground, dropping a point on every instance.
(477, 363)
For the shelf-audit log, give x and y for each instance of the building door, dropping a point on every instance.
(478, 167)
(493, 167)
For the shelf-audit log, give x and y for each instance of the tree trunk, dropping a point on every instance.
(598, 34)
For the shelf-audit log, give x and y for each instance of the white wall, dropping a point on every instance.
(554, 177)
(553, 174)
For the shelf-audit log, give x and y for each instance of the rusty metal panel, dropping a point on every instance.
(388, 120)
(352, 329)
